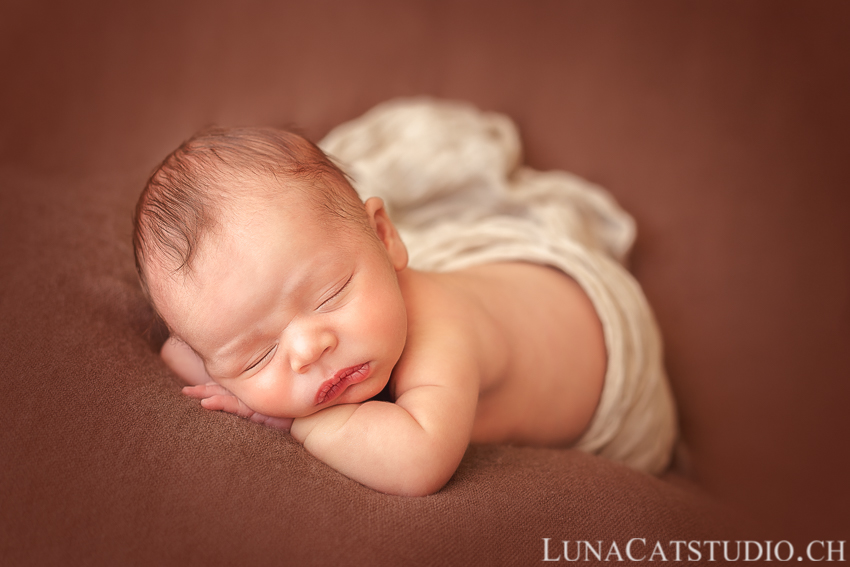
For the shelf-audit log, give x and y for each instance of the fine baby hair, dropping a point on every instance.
(191, 191)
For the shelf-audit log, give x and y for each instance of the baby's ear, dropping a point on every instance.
(386, 232)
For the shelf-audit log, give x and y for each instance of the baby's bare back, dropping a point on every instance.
(542, 352)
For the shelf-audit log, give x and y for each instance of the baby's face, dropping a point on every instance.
(290, 314)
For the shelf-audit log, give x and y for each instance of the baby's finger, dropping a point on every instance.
(214, 403)
(205, 391)
(284, 423)
(229, 403)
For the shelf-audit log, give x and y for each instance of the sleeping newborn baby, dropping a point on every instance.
(292, 302)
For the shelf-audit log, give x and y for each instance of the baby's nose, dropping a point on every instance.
(307, 347)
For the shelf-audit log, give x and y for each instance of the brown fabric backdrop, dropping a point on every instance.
(722, 126)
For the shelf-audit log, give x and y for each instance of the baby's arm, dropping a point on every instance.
(410, 447)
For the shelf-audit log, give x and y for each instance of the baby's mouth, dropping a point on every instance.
(343, 379)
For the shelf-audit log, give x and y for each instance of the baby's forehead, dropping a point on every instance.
(252, 225)
(243, 212)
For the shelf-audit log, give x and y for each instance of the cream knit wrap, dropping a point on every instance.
(453, 184)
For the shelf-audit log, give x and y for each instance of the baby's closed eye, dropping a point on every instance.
(329, 300)
(262, 359)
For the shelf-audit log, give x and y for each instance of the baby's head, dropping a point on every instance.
(255, 250)
(192, 193)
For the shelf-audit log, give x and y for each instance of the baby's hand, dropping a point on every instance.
(215, 397)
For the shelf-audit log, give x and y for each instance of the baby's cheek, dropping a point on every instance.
(386, 311)
(260, 403)
(278, 397)
(395, 325)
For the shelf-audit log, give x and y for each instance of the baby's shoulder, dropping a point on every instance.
(443, 307)
(451, 333)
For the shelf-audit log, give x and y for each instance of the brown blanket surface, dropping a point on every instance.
(720, 126)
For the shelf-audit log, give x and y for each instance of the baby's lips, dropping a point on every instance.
(344, 378)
